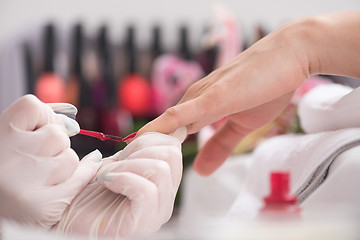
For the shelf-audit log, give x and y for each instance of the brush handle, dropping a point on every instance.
(100, 135)
(104, 137)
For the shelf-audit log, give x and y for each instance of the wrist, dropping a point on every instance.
(301, 37)
(326, 44)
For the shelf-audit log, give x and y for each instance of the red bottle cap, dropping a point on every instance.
(50, 88)
(134, 95)
(279, 185)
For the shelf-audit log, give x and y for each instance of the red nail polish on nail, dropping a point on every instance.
(130, 136)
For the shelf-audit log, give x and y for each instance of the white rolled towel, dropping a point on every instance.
(329, 107)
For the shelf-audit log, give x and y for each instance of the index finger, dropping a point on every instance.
(28, 113)
(193, 114)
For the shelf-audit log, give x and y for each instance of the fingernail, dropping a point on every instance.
(69, 115)
(95, 156)
(71, 126)
(64, 108)
(106, 177)
(129, 137)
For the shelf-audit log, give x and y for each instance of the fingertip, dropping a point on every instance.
(149, 127)
(92, 162)
(216, 150)
(207, 160)
(94, 156)
(70, 126)
(64, 108)
(88, 167)
(203, 165)
(128, 139)
(166, 123)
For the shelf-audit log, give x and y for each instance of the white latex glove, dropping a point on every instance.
(134, 192)
(39, 173)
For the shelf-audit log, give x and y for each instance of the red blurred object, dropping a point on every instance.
(280, 204)
(134, 95)
(112, 119)
(279, 185)
(50, 88)
(104, 137)
(134, 91)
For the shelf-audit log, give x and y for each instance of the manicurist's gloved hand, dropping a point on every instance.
(39, 173)
(134, 191)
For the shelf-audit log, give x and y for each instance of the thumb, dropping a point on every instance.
(29, 113)
(217, 149)
(86, 171)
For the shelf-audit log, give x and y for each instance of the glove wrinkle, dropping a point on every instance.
(40, 174)
(133, 193)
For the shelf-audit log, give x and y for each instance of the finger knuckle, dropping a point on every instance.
(30, 102)
(150, 190)
(173, 114)
(162, 167)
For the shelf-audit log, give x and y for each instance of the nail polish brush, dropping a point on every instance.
(103, 136)
(100, 135)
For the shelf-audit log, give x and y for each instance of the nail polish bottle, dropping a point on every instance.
(156, 50)
(114, 119)
(184, 51)
(50, 87)
(208, 54)
(280, 204)
(134, 91)
(76, 72)
(102, 83)
(172, 74)
(152, 52)
(29, 71)
(78, 87)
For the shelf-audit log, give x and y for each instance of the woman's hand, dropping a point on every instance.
(256, 85)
